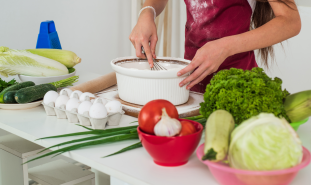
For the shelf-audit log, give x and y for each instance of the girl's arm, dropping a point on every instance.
(145, 30)
(285, 25)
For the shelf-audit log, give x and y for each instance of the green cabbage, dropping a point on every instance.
(13, 62)
(244, 94)
(264, 142)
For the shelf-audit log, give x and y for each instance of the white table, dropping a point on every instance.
(133, 167)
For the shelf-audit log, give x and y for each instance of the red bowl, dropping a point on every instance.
(171, 151)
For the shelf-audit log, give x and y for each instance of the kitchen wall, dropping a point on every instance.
(293, 60)
(98, 30)
(303, 2)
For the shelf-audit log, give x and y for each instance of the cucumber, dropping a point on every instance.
(33, 93)
(219, 126)
(15, 88)
(9, 97)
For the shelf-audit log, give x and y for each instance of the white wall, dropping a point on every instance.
(96, 30)
(294, 60)
(303, 2)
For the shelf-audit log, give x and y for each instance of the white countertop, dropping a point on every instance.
(134, 167)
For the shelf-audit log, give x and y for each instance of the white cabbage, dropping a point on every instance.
(13, 62)
(264, 142)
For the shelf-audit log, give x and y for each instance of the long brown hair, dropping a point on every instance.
(263, 13)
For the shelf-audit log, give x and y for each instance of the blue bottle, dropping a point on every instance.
(48, 37)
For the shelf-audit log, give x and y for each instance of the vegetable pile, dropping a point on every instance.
(234, 96)
(34, 62)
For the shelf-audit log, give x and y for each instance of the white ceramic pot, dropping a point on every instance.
(44, 80)
(138, 84)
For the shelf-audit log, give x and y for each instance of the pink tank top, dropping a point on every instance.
(208, 20)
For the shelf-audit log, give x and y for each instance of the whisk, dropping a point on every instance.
(156, 65)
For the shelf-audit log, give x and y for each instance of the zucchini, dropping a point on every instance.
(15, 88)
(218, 128)
(33, 93)
(9, 97)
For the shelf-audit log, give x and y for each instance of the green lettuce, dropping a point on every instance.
(244, 94)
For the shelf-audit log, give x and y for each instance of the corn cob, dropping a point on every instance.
(68, 58)
(298, 106)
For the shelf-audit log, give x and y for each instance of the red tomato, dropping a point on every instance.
(151, 114)
(187, 128)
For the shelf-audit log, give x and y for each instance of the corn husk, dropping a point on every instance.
(68, 58)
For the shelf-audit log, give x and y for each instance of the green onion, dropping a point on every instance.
(91, 132)
(90, 143)
(131, 147)
(90, 138)
(84, 127)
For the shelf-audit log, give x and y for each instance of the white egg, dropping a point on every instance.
(84, 95)
(100, 100)
(61, 100)
(76, 92)
(114, 106)
(68, 91)
(72, 103)
(84, 107)
(49, 97)
(98, 111)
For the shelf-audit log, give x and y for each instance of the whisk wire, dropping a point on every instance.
(156, 65)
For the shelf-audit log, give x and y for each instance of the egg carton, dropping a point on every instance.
(112, 119)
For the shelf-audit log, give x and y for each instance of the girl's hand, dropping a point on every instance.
(207, 60)
(145, 32)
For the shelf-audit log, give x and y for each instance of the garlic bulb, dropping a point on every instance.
(167, 126)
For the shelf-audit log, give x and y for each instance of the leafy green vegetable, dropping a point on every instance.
(131, 147)
(4, 84)
(244, 94)
(86, 144)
